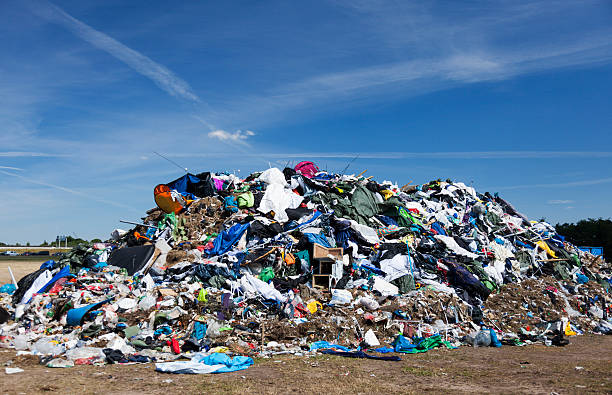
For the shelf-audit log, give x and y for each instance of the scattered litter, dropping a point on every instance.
(13, 370)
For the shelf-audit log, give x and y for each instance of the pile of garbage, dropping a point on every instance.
(302, 260)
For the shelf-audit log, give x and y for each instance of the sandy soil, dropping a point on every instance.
(19, 268)
(584, 366)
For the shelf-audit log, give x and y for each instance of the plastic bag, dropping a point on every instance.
(341, 297)
(46, 347)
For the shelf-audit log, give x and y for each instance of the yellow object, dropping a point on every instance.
(546, 248)
(221, 349)
(203, 296)
(386, 193)
(314, 306)
(568, 330)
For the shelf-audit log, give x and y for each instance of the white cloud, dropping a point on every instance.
(11, 168)
(22, 154)
(223, 135)
(554, 201)
(422, 52)
(238, 136)
(555, 185)
(161, 75)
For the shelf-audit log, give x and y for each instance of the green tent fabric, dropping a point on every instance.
(217, 281)
(493, 218)
(344, 208)
(405, 284)
(422, 344)
(179, 232)
(246, 200)
(476, 269)
(561, 271)
(365, 203)
(267, 274)
(76, 256)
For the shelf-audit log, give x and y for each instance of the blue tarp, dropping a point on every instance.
(8, 288)
(48, 265)
(227, 239)
(65, 272)
(402, 344)
(201, 364)
(325, 345)
(75, 316)
(317, 239)
(182, 183)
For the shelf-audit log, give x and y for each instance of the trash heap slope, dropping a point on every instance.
(294, 260)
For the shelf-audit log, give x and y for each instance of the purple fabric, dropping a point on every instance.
(218, 184)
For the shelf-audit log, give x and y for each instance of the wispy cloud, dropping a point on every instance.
(161, 75)
(26, 154)
(11, 168)
(560, 201)
(422, 53)
(68, 190)
(238, 136)
(408, 155)
(553, 185)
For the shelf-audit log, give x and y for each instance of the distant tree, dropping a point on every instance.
(75, 241)
(96, 241)
(44, 244)
(28, 244)
(590, 233)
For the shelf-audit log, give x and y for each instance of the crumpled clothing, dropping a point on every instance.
(452, 245)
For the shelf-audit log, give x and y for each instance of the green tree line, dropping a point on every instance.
(589, 233)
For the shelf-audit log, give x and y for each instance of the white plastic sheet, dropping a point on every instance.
(273, 176)
(40, 281)
(277, 198)
(266, 290)
(395, 267)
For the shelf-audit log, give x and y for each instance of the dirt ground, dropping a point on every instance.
(584, 366)
(19, 267)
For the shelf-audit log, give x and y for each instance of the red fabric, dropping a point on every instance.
(59, 284)
(174, 345)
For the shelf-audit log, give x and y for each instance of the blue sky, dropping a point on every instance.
(511, 96)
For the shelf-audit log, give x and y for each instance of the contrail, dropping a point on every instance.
(161, 75)
(11, 168)
(72, 191)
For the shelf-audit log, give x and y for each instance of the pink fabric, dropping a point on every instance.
(307, 169)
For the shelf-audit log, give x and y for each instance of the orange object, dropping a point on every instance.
(165, 201)
(289, 259)
(139, 236)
